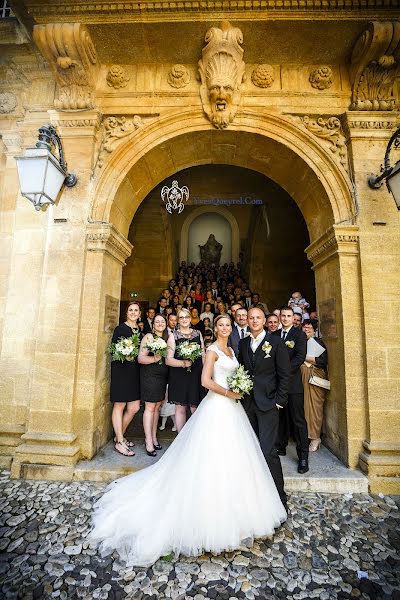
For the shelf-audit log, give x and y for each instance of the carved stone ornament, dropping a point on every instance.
(221, 73)
(70, 51)
(178, 76)
(321, 78)
(263, 76)
(115, 129)
(329, 130)
(375, 66)
(117, 77)
(8, 102)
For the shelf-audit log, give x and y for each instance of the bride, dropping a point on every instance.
(210, 490)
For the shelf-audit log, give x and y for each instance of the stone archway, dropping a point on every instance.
(201, 210)
(285, 153)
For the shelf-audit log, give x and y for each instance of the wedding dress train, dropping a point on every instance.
(210, 490)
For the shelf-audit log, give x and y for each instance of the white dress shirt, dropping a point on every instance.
(283, 331)
(256, 341)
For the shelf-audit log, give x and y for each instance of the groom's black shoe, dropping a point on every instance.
(303, 466)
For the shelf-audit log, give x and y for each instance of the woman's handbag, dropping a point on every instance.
(319, 381)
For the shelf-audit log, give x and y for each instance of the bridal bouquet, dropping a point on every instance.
(240, 382)
(125, 348)
(189, 351)
(157, 345)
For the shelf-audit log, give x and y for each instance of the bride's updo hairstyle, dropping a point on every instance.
(216, 321)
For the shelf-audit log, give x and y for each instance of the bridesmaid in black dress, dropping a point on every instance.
(153, 384)
(184, 387)
(125, 383)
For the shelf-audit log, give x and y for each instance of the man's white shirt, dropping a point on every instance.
(256, 341)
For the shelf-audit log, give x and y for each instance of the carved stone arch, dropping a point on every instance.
(201, 210)
(268, 143)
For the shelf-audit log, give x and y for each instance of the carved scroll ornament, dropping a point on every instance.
(70, 51)
(221, 72)
(329, 130)
(115, 129)
(375, 66)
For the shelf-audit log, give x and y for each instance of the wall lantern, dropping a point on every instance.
(41, 173)
(391, 174)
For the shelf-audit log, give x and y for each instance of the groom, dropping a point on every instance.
(265, 357)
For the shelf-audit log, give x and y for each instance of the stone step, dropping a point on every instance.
(327, 474)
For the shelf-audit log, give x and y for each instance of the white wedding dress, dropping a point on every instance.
(210, 490)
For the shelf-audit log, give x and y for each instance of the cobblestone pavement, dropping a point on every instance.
(321, 552)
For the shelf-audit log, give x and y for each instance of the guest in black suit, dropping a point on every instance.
(239, 329)
(148, 322)
(248, 300)
(270, 369)
(296, 344)
(162, 305)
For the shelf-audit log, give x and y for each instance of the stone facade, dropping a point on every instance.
(314, 118)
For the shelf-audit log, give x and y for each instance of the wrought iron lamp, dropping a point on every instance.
(41, 173)
(390, 174)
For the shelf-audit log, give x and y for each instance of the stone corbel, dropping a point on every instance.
(103, 237)
(71, 53)
(374, 66)
(339, 239)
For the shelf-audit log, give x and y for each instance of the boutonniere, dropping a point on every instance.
(290, 344)
(267, 347)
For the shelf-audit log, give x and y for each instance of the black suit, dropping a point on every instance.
(271, 379)
(234, 338)
(147, 328)
(295, 407)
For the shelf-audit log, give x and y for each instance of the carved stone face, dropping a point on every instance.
(220, 94)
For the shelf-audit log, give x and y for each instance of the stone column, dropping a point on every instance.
(335, 256)
(107, 250)
(16, 320)
(380, 275)
(50, 446)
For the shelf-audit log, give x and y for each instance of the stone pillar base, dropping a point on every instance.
(381, 462)
(45, 456)
(10, 438)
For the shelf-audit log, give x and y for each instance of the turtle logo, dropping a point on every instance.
(174, 197)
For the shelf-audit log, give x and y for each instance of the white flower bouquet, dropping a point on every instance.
(240, 382)
(157, 345)
(189, 351)
(125, 348)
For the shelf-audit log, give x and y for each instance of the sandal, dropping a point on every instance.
(122, 449)
(126, 442)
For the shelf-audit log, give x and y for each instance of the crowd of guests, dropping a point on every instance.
(186, 311)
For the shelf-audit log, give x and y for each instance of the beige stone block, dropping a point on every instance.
(385, 425)
(383, 393)
(52, 367)
(57, 340)
(393, 363)
(51, 421)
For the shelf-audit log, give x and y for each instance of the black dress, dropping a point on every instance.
(153, 381)
(185, 386)
(125, 379)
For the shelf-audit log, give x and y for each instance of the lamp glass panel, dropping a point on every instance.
(53, 181)
(32, 172)
(394, 184)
